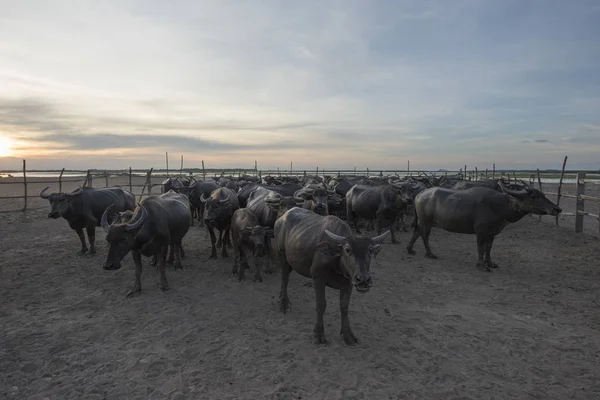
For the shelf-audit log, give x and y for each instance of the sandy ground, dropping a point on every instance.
(431, 329)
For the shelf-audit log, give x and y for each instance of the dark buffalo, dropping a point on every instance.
(479, 210)
(219, 209)
(383, 203)
(157, 222)
(249, 239)
(197, 190)
(323, 248)
(268, 205)
(314, 197)
(488, 183)
(83, 208)
(286, 189)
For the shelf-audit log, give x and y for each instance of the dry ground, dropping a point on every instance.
(430, 329)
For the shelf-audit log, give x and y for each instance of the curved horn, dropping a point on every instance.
(336, 238)
(105, 225)
(45, 196)
(141, 219)
(379, 239)
(77, 191)
(299, 199)
(203, 198)
(272, 200)
(225, 200)
(515, 193)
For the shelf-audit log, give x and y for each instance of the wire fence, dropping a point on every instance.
(27, 188)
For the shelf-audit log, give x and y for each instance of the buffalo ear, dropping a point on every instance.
(330, 249)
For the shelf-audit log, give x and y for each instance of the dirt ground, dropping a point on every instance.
(430, 329)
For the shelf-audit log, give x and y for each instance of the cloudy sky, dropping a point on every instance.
(334, 84)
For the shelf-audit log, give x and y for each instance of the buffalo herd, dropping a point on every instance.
(310, 224)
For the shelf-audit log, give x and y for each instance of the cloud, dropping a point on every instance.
(328, 83)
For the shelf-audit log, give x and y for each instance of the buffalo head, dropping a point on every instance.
(60, 203)
(257, 235)
(121, 233)
(531, 200)
(355, 254)
(215, 207)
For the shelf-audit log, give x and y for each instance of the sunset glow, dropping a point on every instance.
(5, 146)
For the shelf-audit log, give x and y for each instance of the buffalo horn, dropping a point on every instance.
(336, 238)
(77, 191)
(272, 200)
(104, 222)
(43, 195)
(203, 198)
(141, 219)
(515, 193)
(225, 200)
(379, 239)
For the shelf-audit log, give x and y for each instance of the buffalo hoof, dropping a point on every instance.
(82, 252)
(319, 338)
(483, 265)
(394, 241)
(164, 287)
(493, 265)
(349, 338)
(284, 304)
(258, 278)
(178, 266)
(432, 256)
(90, 253)
(213, 255)
(411, 251)
(135, 290)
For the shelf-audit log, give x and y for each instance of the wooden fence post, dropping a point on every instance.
(203, 172)
(540, 186)
(25, 184)
(150, 178)
(60, 180)
(167, 162)
(130, 185)
(562, 174)
(105, 178)
(580, 202)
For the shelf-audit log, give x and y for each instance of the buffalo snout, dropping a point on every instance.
(363, 282)
(54, 214)
(109, 265)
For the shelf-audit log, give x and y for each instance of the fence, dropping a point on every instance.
(148, 180)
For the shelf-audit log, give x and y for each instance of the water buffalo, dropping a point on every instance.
(219, 209)
(249, 239)
(323, 248)
(488, 183)
(268, 205)
(286, 189)
(83, 208)
(196, 190)
(383, 203)
(314, 197)
(157, 222)
(479, 210)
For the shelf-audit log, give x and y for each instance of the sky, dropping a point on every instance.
(333, 84)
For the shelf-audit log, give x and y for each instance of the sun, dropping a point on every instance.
(5, 146)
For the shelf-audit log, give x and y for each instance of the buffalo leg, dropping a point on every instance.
(225, 235)
(488, 251)
(425, 232)
(171, 258)
(84, 248)
(154, 261)
(181, 251)
(178, 257)
(268, 255)
(319, 331)
(137, 261)
(284, 300)
(91, 232)
(257, 265)
(162, 266)
(413, 240)
(220, 240)
(346, 332)
(213, 240)
(380, 224)
(481, 249)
